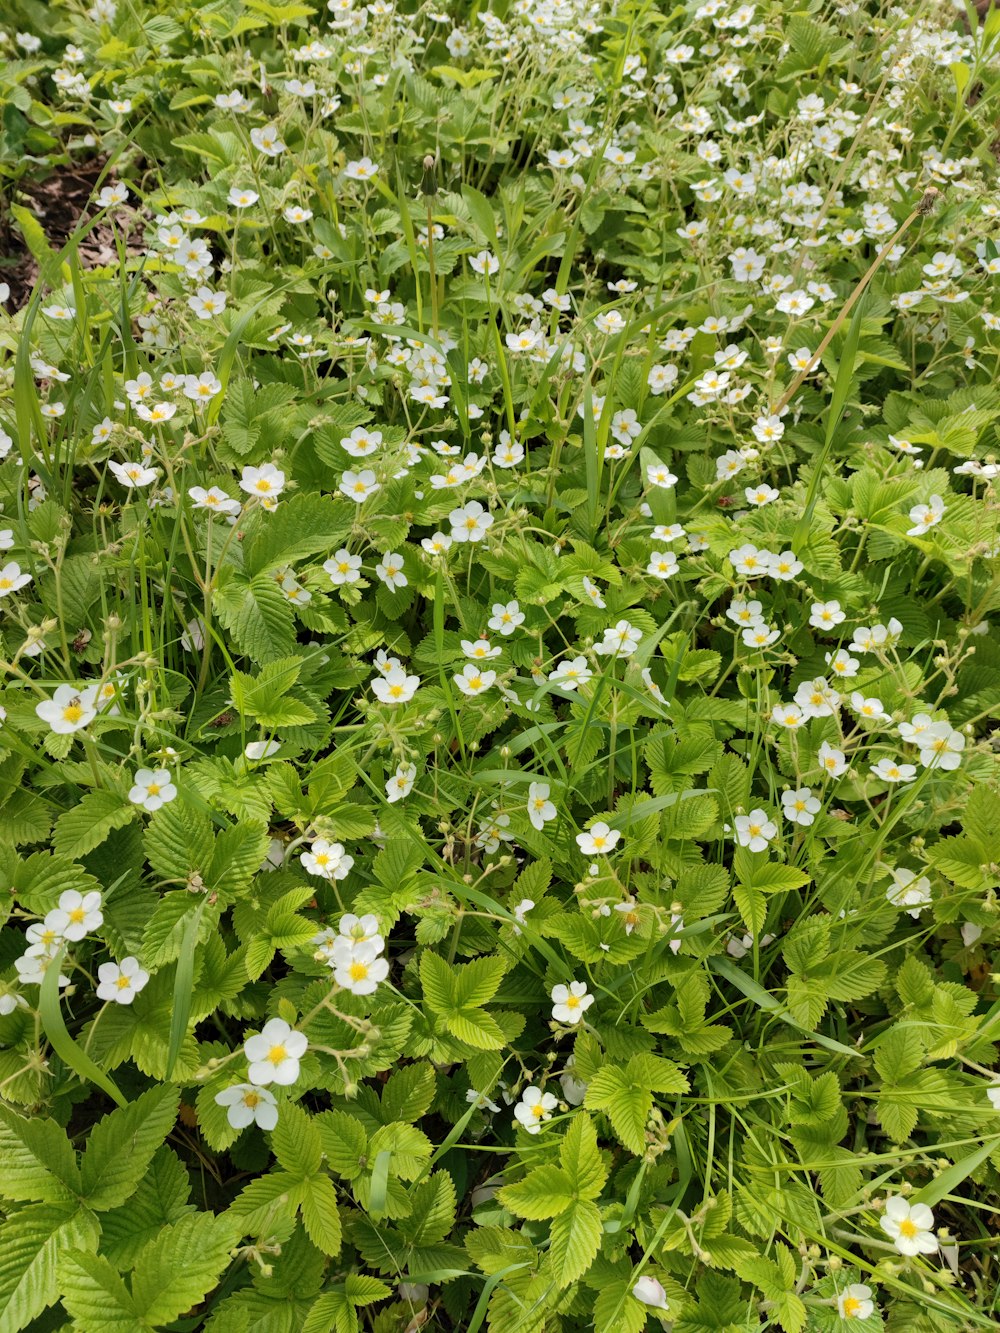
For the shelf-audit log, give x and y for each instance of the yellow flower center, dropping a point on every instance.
(599, 842)
(358, 971)
(262, 484)
(153, 789)
(907, 1228)
(251, 1099)
(538, 1110)
(76, 914)
(851, 1306)
(123, 982)
(572, 1002)
(276, 1054)
(396, 691)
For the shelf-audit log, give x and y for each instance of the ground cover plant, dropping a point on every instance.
(499, 816)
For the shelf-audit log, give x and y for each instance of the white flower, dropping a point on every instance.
(359, 969)
(246, 1105)
(68, 710)
(390, 570)
(866, 707)
(620, 641)
(826, 615)
(761, 635)
(505, 618)
(941, 747)
(356, 930)
(215, 500)
(909, 892)
(993, 1094)
(242, 198)
(481, 1101)
(662, 564)
(599, 838)
(534, 1108)
(754, 830)
(33, 965)
(520, 910)
(745, 613)
(833, 762)
(540, 809)
(121, 982)
(817, 698)
(327, 859)
(266, 481)
(343, 567)
(855, 1302)
(648, 1291)
(924, 517)
(267, 140)
(436, 544)
(205, 303)
(200, 388)
(399, 786)
(887, 770)
(472, 681)
(658, 474)
(274, 1053)
(362, 170)
(909, 1226)
(11, 578)
(358, 486)
(570, 1003)
(78, 914)
(761, 495)
(568, 675)
(360, 443)
(787, 715)
(800, 807)
(750, 561)
(470, 522)
(152, 788)
(484, 262)
(480, 650)
(256, 750)
(784, 566)
(395, 687)
(133, 475)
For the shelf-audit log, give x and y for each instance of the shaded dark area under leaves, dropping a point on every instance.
(58, 202)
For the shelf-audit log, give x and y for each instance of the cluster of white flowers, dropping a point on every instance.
(354, 953)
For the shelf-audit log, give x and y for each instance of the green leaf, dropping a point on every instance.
(95, 1295)
(626, 1095)
(296, 1142)
(183, 988)
(31, 1243)
(477, 1028)
(37, 1161)
(90, 821)
(581, 1158)
(121, 1146)
(574, 1242)
(74, 1056)
(544, 1192)
(257, 615)
(320, 1215)
(180, 1266)
(178, 841)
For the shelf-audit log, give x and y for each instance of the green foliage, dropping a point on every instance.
(499, 797)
